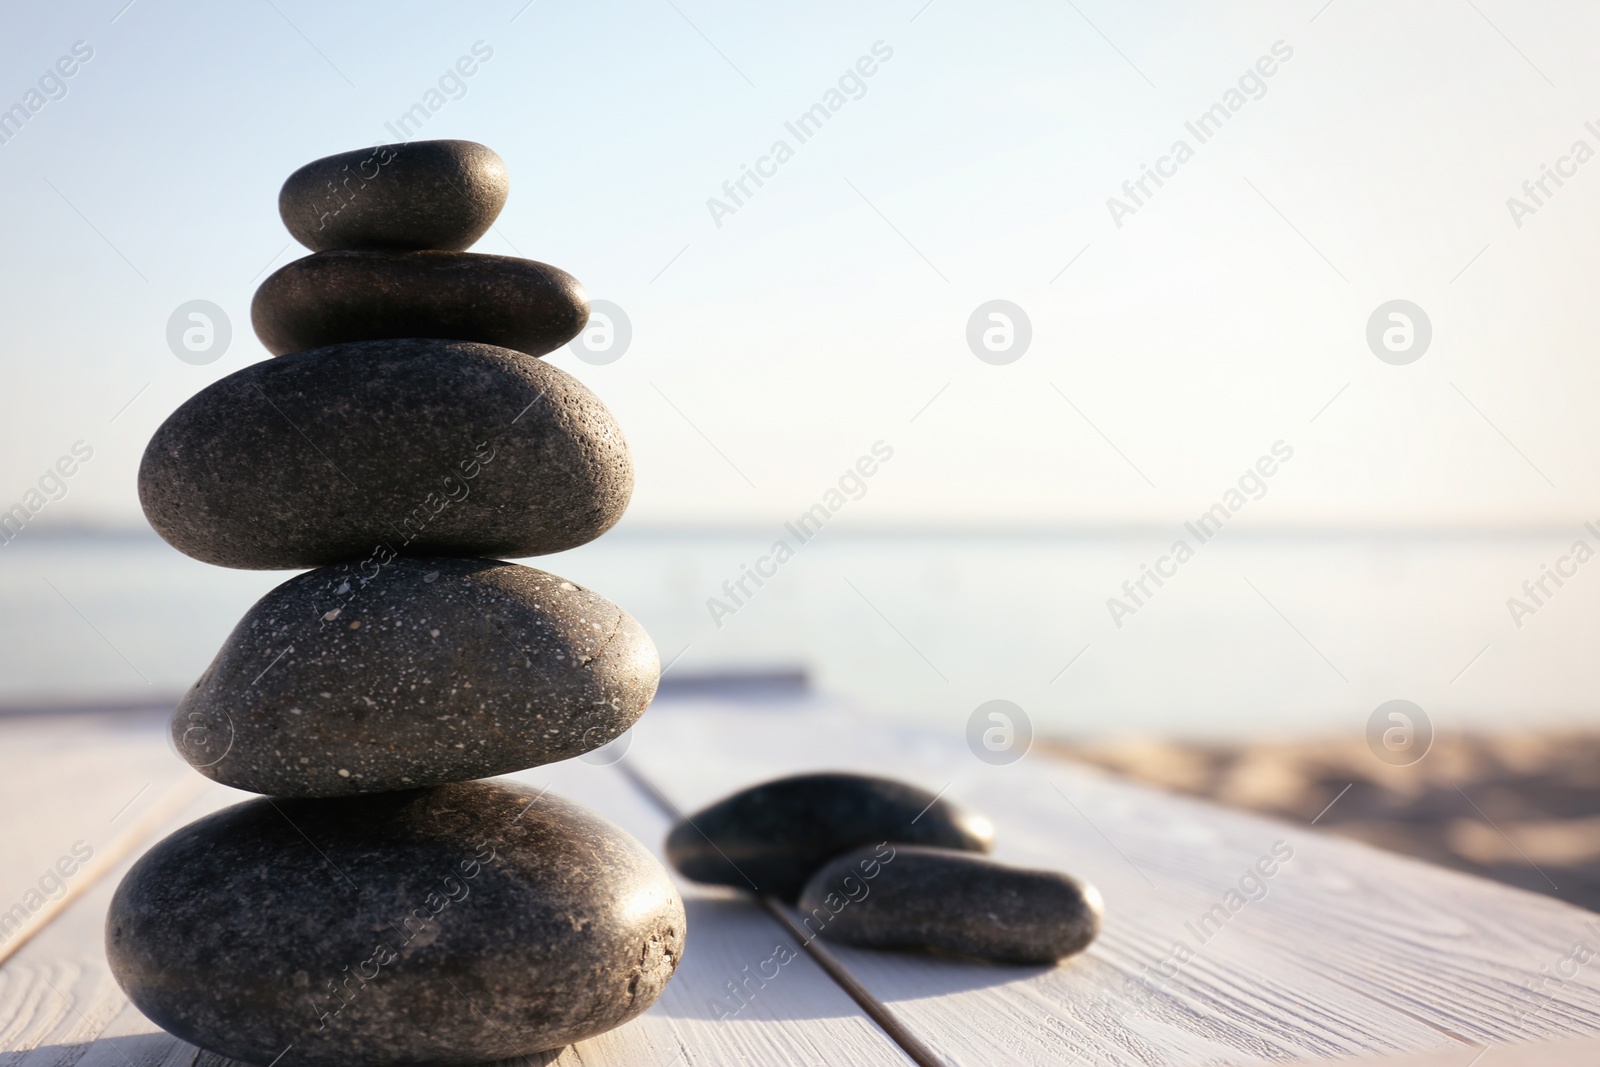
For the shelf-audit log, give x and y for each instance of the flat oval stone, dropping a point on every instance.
(410, 672)
(462, 924)
(422, 194)
(907, 897)
(335, 297)
(772, 837)
(419, 447)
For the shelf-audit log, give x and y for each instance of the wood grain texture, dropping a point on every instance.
(1569, 1052)
(1350, 951)
(718, 1009)
(60, 1005)
(74, 805)
(58, 1001)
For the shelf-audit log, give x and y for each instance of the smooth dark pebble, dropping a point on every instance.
(413, 672)
(462, 924)
(334, 297)
(772, 837)
(422, 194)
(420, 447)
(955, 902)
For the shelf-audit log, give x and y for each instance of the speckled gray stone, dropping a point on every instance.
(414, 446)
(334, 297)
(423, 194)
(461, 924)
(908, 897)
(772, 837)
(357, 678)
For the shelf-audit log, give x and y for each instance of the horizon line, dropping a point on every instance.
(945, 528)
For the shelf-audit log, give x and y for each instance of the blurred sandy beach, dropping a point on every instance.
(1523, 809)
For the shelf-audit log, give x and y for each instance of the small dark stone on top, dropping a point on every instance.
(334, 297)
(422, 194)
(906, 897)
(772, 837)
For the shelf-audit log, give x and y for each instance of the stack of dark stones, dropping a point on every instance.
(379, 904)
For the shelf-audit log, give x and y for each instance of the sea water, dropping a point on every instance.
(1089, 632)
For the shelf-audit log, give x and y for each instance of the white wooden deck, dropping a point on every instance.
(1352, 953)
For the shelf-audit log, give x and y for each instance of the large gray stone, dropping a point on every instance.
(358, 678)
(422, 194)
(907, 897)
(334, 297)
(772, 837)
(420, 447)
(461, 924)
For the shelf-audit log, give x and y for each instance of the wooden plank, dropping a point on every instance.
(800, 1017)
(1351, 951)
(1571, 1052)
(59, 1004)
(58, 1001)
(74, 806)
(51, 760)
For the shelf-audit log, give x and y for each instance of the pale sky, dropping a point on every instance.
(975, 163)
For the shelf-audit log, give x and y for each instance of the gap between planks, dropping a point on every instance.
(103, 863)
(189, 788)
(878, 1011)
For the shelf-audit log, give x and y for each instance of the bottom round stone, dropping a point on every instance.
(460, 924)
